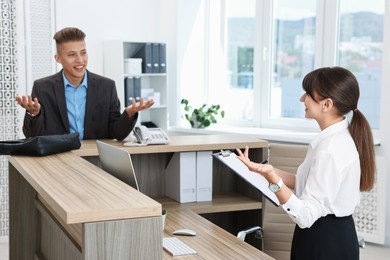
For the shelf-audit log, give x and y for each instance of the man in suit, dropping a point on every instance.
(76, 100)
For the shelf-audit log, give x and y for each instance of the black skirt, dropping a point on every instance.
(329, 238)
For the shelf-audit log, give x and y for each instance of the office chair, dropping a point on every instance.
(259, 233)
(277, 230)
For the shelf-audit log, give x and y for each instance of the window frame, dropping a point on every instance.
(327, 21)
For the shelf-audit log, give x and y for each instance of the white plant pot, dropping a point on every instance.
(163, 217)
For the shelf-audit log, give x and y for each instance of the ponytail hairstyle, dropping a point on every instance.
(342, 87)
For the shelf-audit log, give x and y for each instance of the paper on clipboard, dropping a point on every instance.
(255, 179)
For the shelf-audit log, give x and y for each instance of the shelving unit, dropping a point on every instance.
(115, 52)
(222, 202)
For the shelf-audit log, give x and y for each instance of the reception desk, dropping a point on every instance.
(65, 207)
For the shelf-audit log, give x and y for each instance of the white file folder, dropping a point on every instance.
(204, 176)
(180, 177)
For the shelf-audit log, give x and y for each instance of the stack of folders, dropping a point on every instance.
(153, 57)
(189, 177)
(132, 89)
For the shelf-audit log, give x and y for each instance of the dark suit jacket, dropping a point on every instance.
(103, 119)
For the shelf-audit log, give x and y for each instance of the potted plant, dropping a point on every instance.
(203, 116)
(163, 217)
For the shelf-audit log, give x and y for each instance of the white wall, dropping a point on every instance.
(129, 20)
(157, 20)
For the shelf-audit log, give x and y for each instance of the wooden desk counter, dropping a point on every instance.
(182, 144)
(211, 241)
(63, 207)
(52, 196)
(80, 192)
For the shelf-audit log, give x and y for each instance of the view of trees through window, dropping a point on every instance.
(357, 40)
(296, 37)
(232, 43)
(360, 37)
(244, 67)
(293, 56)
(360, 50)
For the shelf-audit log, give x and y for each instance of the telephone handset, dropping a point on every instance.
(146, 135)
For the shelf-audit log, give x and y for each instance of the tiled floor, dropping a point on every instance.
(375, 252)
(370, 252)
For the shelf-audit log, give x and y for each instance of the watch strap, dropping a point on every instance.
(275, 187)
(280, 183)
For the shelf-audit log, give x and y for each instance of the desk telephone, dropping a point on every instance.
(147, 136)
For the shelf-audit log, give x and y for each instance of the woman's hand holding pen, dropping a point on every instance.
(264, 169)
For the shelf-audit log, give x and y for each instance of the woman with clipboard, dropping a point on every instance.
(338, 165)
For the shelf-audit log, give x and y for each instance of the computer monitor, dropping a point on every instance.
(118, 163)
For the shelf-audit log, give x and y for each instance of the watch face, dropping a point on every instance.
(274, 187)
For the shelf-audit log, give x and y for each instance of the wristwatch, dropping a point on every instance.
(275, 187)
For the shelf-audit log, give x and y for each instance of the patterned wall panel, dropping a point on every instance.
(9, 122)
(41, 39)
(39, 33)
(370, 215)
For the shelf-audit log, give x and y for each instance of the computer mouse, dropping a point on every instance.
(184, 232)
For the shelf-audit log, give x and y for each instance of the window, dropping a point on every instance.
(257, 53)
(360, 50)
(305, 37)
(231, 51)
(294, 38)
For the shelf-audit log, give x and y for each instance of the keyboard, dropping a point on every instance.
(176, 247)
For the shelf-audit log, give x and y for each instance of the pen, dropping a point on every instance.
(225, 153)
(264, 161)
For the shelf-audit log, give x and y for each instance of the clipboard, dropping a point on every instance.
(230, 159)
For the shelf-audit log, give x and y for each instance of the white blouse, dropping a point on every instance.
(328, 181)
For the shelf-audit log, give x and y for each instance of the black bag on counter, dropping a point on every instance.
(41, 145)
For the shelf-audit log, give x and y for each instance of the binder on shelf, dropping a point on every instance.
(145, 53)
(162, 58)
(156, 57)
(132, 89)
(137, 87)
(256, 180)
(129, 90)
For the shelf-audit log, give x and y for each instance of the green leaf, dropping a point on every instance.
(202, 116)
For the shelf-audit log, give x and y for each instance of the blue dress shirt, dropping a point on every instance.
(76, 99)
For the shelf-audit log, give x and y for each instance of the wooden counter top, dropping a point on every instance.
(182, 144)
(211, 241)
(73, 205)
(105, 197)
(58, 178)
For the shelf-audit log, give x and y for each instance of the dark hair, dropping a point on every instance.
(342, 87)
(69, 34)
